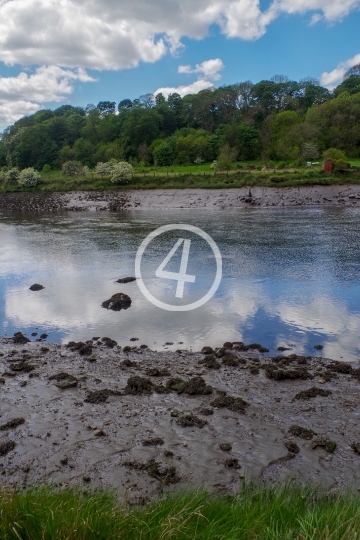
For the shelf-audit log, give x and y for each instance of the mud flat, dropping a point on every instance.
(143, 421)
(263, 197)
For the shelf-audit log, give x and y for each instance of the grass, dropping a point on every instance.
(194, 176)
(259, 512)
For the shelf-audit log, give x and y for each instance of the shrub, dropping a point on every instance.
(12, 175)
(103, 169)
(198, 161)
(334, 154)
(29, 177)
(122, 173)
(46, 169)
(282, 165)
(73, 168)
(341, 164)
(310, 151)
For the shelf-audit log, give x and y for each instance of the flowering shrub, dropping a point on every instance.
(12, 175)
(122, 173)
(73, 168)
(29, 177)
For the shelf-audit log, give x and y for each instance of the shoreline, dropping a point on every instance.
(98, 416)
(261, 197)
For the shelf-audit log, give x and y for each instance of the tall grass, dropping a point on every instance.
(259, 512)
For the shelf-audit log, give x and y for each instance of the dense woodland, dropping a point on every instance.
(271, 120)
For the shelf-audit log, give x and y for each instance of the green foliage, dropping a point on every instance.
(29, 177)
(73, 168)
(46, 169)
(122, 173)
(226, 157)
(104, 169)
(334, 154)
(310, 151)
(12, 176)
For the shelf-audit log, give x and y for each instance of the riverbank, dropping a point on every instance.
(346, 195)
(143, 421)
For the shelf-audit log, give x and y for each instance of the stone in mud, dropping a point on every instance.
(144, 346)
(195, 387)
(207, 350)
(117, 302)
(100, 396)
(190, 420)
(230, 360)
(134, 339)
(11, 424)
(155, 372)
(111, 343)
(340, 367)
(206, 412)
(356, 448)
(99, 433)
(64, 380)
(168, 453)
(225, 447)
(319, 347)
(20, 339)
(227, 345)
(127, 363)
(312, 392)
(256, 347)
(231, 403)
(155, 441)
(44, 336)
(254, 370)
(301, 432)
(324, 442)
(2, 380)
(138, 386)
(34, 334)
(126, 280)
(167, 475)
(292, 447)
(85, 349)
(36, 287)
(232, 463)
(273, 372)
(6, 447)
(282, 349)
(23, 366)
(127, 349)
(210, 362)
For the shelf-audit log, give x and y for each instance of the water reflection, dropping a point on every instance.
(290, 278)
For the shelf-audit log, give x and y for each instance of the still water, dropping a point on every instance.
(291, 277)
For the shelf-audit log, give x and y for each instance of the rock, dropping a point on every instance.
(156, 441)
(319, 347)
(85, 349)
(292, 447)
(138, 385)
(117, 302)
(301, 432)
(20, 339)
(36, 287)
(6, 447)
(43, 336)
(126, 280)
(210, 362)
(134, 339)
(312, 392)
(11, 424)
(190, 420)
(207, 350)
(99, 433)
(324, 442)
(100, 396)
(232, 463)
(111, 343)
(231, 403)
(226, 447)
(34, 334)
(64, 380)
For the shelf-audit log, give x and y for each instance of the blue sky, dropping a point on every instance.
(53, 53)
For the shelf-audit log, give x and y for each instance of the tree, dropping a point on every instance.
(103, 169)
(73, 168)
(29, 177)
(125, 104)
(310, 151)
(106, 107)
(226, 157)
(334, 154)
(122, 173)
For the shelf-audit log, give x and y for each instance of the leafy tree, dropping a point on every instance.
(226, 157)
(125, 104)
(106, 107)
(310, 151)
(164, 154)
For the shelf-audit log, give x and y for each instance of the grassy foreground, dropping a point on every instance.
(179, 177)
(287, 512)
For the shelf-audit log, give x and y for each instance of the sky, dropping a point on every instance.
(55, 52)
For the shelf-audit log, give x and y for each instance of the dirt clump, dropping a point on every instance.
(356, 374)
(22, 366)
(195, 387)
(355, 447)
(340, 367)
(278, 374)
(254, 370)
(156, 372)
(6, 447)
(207, 350)
(210, 362)
(292, 447)
(64, 380)
(137, 386)
(11, 424)
(230, 360)
(190, 420)
(128, 363)
(36, 287)
(155, 441)
(232, 403)
(225, 446)
(206, 412)
(312, 392)
(167, 475)
(126, 280)
(108, 342)
(324, 442)
(20, 339)
(232, 463)
(85, 349)
(100, 396)
(117, 302)
(301, 432)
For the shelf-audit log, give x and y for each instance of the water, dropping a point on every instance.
(291, 277)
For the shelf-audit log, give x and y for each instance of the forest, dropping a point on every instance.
(277, 119)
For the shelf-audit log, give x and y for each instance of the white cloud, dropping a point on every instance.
(23, 94)
(192, 88)
(116, 35)
(333, 78)
(209, 69)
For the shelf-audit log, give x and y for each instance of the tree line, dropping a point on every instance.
(274, 119)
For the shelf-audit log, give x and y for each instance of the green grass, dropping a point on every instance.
(259, 512)
(194, 176)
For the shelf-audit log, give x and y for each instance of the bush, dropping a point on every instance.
(341, 165)
(29, 177)
(46, 169)
(103, 169)
(334, 154)
(310, 151)
(282, 165)
(73, 168)
(122, 173)
(12, 175)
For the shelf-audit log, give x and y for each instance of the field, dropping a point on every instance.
(259, 512)
(192, 176)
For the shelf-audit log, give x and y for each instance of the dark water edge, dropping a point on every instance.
(291, 277)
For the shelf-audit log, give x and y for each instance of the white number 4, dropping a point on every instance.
(181, 277)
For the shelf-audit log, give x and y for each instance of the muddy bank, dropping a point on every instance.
(344, 195)
(143, 421)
